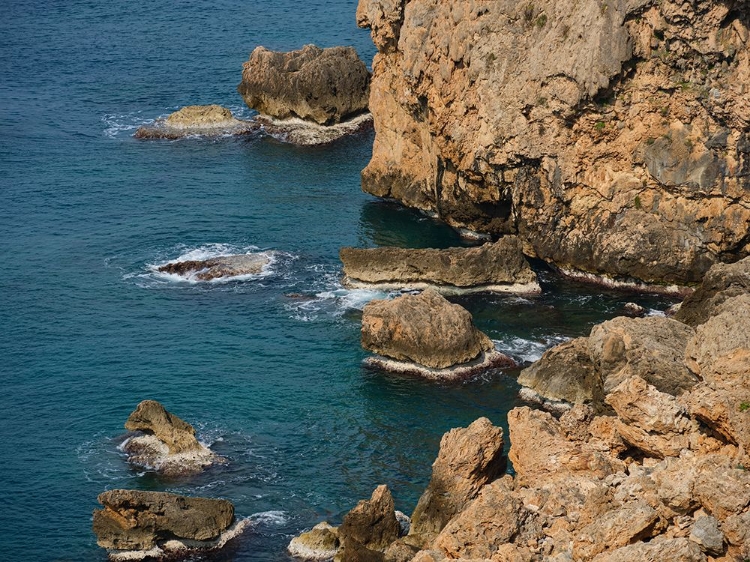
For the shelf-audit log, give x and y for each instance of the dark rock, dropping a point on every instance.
(706, 534)
(372, 523)
(219, 267)
(497, 267)
(326, 86)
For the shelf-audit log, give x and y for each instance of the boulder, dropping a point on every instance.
(203, 120)
(564, 374)
(220, 267)
(496, 267)
(372, 523)
(135, 520)
(164, 442)
(468, 459)
(325, 86)
(674, 550)
(427, 335)
(721, 282)
(651, 348)
(618, 527)
(706, 534)
(319, 543)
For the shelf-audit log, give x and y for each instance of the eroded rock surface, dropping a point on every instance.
(427, 335)
(325, 86)
(496, 267)
(218, 267)
(202, 120)
(625, 154)
(154, 523)
(164, 442)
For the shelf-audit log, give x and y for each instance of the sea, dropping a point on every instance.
(268, 368)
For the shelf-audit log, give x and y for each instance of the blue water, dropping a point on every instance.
(268, 369)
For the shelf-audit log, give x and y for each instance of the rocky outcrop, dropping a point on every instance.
(426, 335)
(325, 86)
(625, 154)
(306, 133)
(197, 120)
(371, 525)
(496, 267)
(165, 443)
(219, 267)
(136, 524)
(319, 543)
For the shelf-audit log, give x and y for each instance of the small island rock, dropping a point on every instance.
(203, 120)
(218, 267)
(325, 86)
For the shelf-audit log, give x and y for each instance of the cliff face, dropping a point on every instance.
(610, 135)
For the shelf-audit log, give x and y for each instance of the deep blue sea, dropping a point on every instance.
(267, 368)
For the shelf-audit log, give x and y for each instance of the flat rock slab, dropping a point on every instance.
(219, 267)
(496, 267)
(197, 120)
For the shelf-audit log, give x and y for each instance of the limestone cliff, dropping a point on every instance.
(610, 135)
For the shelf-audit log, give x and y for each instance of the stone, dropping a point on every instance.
(372, 523)
(319, 543)
(737, 528)
(721, 486)
(427, 331)
(721, 282)
(352, 551)
(220, 267)
(618, 527)
(540, 451)
(307, 133)
(634, 310)
(674, 550)
(164, 442)
(621, 161)
(468, 459)
(138, 520)
(325, 86)
(197, 120)
(706, 534)
(399, 551)
(651, 348)
(565, 373)
(495, 267)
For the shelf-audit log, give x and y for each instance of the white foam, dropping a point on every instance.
(270, 518)
(124, 124)
(527, 351)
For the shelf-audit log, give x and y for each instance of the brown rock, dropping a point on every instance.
(674, 550)
(650, 348)
(425, 329)
(617, 159)
(219, 267)
(151, 417)
(468, 459)
(136, 520)
(399, 551)
(540, 452)
(326, 86)
(721, 486)
(372, 523)
(497, 267)
(722, 282)
(564, 373)
(319, 543)
(203, 120)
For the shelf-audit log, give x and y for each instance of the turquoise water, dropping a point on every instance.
(268, 369)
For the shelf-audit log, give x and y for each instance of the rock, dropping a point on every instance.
(372, 523)
(650, 348)
(305, 133)
(164, 442)
(650, 420)
(140, 521)
(618, 527)
(540, 451)
(399, 551)
(219, 267)
(325, 86)
(737, 529)
(492, 519)
(319, 543)
(721, 486)
(722, 282)
(599, 164)
(352, 551)
(426, 330)
(706, 534)
(634, 310)
(203, 120)
(674, 550)
(564, 373)
(468, 459)
(496, 267)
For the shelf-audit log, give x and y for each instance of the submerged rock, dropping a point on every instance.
(325, 86)
(164, 442)
(219, 267)
(497, 267)
(202, 120)
(427, 335)
(137, 524)
(305, 133)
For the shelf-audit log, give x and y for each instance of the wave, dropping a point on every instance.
(525, 351)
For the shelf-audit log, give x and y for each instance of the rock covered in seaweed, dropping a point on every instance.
(164, 442)
(325, 86)
(201, 120)
(138, 524)
(427, 335)
(496, 267)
